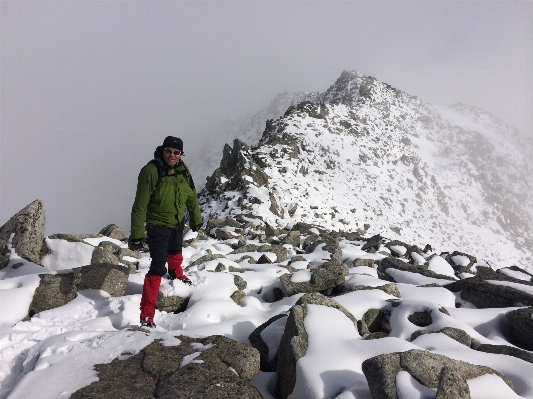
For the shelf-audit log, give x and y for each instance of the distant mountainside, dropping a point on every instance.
(248, 129)
(364, 153)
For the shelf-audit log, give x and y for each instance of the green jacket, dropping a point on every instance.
(163, 203)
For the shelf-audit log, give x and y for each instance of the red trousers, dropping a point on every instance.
(151, 287)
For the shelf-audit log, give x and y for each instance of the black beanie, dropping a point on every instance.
(174, 142)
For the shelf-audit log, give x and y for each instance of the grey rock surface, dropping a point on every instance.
(483, 294)
(427, 368)
(506, 350)
(329, 275)
(54, 290)
(156, 372)
(27, 228)
(521, 327)
(398, 264)
(104, 255)
(452, 385)
(171, 304)
(108, 277)
(113, 231)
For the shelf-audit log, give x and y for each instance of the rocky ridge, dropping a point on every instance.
(363, 152)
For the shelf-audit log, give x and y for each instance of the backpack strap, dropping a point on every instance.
(161, 172)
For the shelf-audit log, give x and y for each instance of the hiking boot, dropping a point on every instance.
(146, 323)
(186, 280)
(171, 275)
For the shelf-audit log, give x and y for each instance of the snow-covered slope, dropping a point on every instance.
(365, 153)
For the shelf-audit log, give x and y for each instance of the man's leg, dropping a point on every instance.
(157, 243)
(175, 256)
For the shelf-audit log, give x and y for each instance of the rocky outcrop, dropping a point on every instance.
(427, 368)
(212, 367)
(329, 275)
(26, 228)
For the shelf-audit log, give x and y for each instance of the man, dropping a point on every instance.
(164, 190)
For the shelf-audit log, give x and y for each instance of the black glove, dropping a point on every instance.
(196, 227)
(135, 244)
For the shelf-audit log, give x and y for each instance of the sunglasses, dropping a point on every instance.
(171, 151)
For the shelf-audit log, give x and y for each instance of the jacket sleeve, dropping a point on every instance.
(195, 213)
(146, 185)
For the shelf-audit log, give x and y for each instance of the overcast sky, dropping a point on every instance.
(89, 89)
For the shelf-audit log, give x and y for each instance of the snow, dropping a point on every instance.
(515, 274)
(301, 276)
(67, 255)
(440, 266)
(95, 328)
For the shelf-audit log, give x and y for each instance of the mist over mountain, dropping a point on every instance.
(364, 153)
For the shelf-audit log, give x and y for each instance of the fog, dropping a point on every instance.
(90, 89)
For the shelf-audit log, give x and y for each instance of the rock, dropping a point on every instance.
(258, 343)
(373, 242)
(104, 276)
(328, 275)
(238, 295)
(220, 267)
(460, 268)
(233, 269)
(425, 367)
(380, 372)
(395, 263)
(363, 262)
(421, 319)
(223, 370)
(371, 323)
(506, 350)
(521, 327)
(271, 231)
(292, 238)
(103, 255)
(27, 225)
(54, 290)
(331, 245)
(263, 260)
(305, 228)
(293, 344)
(224, 234)
(454, 333)
(452, 385)
(219, 223)
(239, 282)
(171, 304)
(483, 294)
(204, 259)
(113, 231)
(390, 289)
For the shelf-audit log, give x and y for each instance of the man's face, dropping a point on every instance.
(171, 156)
